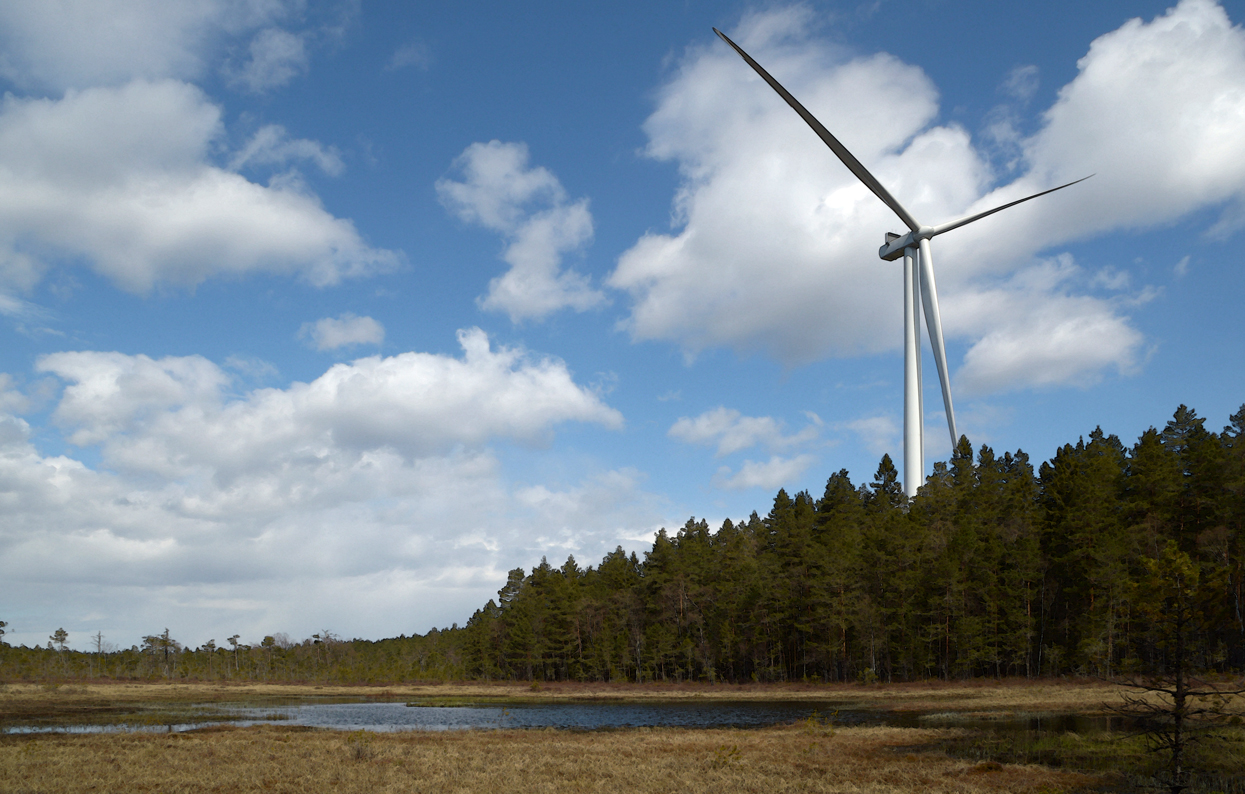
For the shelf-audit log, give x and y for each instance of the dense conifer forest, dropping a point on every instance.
(993, 569)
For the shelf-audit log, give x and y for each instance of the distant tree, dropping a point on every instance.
(269, 644)
(168, 645)
(58, 639)
(233, 643)
(162, 648)
(326, 640)
(100, 648)
(2, 625)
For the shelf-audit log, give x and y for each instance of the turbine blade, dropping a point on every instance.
(933, 321)
(839, 149)
(946, 227)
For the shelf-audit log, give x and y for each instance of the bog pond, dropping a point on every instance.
(579, 716)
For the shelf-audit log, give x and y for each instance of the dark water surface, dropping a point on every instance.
(566, 716)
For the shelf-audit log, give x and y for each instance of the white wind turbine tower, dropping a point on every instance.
(918, 286)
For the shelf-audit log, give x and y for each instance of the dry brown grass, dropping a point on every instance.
(286, 759)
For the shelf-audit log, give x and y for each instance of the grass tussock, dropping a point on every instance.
(281, 759)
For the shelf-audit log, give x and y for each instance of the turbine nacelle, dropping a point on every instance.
(895, 244)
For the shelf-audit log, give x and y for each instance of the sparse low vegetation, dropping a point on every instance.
(286, 759)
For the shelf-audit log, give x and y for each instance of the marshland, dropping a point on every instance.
(931, 736)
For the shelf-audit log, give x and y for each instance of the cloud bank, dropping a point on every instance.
(731, 432)
(113, 159)
(255, 509)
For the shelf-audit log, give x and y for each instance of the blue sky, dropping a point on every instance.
(324, 315)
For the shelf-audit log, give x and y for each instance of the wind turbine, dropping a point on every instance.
(918, 287)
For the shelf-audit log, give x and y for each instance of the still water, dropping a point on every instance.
(568, 716)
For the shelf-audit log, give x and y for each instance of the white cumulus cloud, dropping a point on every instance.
(773, 473)
(272, 145)
(731, 431)
(878, 433)
(1034, 331)
(528, 206)
(110, 153)
(274, 58)
(173, 417)
(331, 333)
(121, 178)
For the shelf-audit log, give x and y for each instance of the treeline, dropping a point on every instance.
(993, 569)
(322, 658)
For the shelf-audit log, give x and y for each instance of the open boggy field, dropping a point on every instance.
(814, 755)
(802, 758)
(101, 701)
